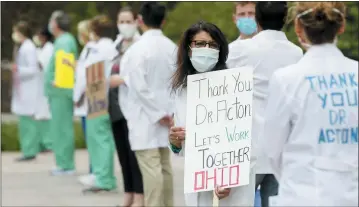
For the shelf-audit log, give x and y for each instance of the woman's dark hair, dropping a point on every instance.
(24, 28)
(323, 20)
(102, 26)
(184, 65)
(45, 32)
(128, 9)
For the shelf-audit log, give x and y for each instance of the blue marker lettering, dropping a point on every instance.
(322, 82)
(310, 78)
(339, 101)
(342, 80)
(353, 80)
(333, 81)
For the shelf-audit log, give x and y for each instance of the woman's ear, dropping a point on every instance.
(342, 29)
(297, 27)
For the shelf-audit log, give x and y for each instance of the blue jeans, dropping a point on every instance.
(83, 123)
(269, 187)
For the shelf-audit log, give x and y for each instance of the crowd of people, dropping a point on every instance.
(296, 157)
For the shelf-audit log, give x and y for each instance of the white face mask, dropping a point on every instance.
(16, 37)
(92, 36)
(36, 40)
(81, 40)
(204, 59)
(127, 30)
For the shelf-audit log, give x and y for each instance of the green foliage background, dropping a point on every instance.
(180, 16)
(220, 13)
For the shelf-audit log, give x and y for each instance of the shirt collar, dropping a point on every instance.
(323, 50)
(152, 32)
(270, 35)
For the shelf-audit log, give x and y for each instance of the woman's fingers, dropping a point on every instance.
(222, 192)
(177, 129)
(177, 135)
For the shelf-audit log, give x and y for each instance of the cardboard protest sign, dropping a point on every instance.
(218, 129)
(64, 70)
(96, 92)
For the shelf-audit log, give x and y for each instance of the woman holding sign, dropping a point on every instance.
(203, 48)
(83, 33)
(100, 142)
(312, 115)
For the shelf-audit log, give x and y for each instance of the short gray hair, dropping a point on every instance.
(62, 19)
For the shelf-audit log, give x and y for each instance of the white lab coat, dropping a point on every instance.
(102, 50)
(25, 93)
(239, 196)
(311, 173)
(80, 78)
(42, 108)
(266, 52)
(147, 68)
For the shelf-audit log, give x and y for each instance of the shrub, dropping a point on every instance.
(10, 141)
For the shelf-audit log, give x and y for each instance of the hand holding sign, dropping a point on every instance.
(177, 135)
(222, 192)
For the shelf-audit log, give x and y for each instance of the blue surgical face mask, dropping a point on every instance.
(246, 25)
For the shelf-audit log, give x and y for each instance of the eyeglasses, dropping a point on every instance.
(201, 43)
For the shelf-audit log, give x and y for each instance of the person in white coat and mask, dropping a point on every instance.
(145, 101)
(83, 36)
(267, 51)
(202, 41)
(312, 115)
(132, 178)
(43, 115)
(26, 83)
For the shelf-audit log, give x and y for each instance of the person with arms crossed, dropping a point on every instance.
(26, 83)
(145, 101)
(265, 52)
(132, 178)
(60, 98)
(312, 115)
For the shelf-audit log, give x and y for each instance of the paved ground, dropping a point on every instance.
(29, 184)
(7, 117)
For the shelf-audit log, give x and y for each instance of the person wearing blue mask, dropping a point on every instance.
(244, 19)
(266, 52)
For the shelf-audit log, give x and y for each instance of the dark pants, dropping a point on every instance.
(83, 123)
(131, 173)
(269, 187)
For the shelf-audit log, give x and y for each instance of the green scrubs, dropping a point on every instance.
(61, 106)
(29, 139)
(101, 149)
(43, 127)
